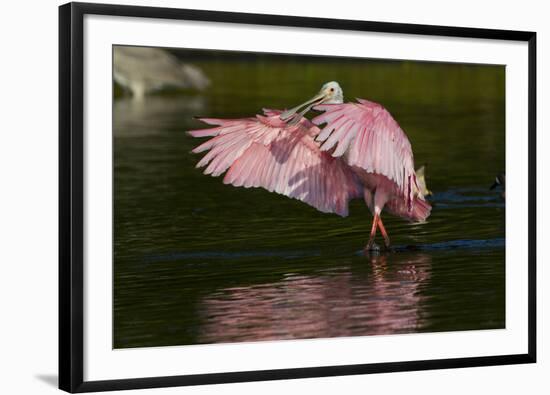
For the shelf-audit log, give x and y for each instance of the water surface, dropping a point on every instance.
(197, 261)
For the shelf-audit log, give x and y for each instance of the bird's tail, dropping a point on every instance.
(421, 210)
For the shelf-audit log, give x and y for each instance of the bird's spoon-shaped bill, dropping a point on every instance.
(317, 99)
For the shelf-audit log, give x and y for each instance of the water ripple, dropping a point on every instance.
(454, 244)
(176, 256)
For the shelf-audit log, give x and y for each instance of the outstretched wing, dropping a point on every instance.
(371, 139)
(266, 152)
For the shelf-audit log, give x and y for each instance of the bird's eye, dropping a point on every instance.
(332, 89)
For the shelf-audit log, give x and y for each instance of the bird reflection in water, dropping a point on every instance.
(157, 114)
(347, 301)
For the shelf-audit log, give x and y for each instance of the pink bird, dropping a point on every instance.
(360, 152)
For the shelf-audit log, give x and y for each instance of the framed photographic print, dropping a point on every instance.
(257, 197)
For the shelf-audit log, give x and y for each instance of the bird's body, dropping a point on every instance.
(361, 152)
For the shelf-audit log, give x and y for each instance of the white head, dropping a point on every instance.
(333, 93)
(330, 93)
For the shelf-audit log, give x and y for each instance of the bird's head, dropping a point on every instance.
(330, 93)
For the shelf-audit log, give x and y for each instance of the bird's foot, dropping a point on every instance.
(374, 249)
(371, 247)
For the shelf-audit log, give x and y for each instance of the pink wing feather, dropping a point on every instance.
(266, 152)
(421, 209)
(371, 139)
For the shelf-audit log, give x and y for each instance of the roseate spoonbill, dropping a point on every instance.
(360, 152)
(500, 182)
(421, 181)
(143, 70)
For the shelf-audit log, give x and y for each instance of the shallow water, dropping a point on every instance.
(197, 261)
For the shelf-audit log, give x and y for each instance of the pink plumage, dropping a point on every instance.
(361, 151)
(372, 138)
(266, 152)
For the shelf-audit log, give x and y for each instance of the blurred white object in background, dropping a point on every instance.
(143, 70)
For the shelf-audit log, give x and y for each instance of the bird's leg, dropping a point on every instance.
(371, 245)
(138, 91)
(384, 233)
(380, 198)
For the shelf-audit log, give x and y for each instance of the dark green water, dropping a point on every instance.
(196, 261)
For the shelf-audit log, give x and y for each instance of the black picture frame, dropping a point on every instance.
(71, 178)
